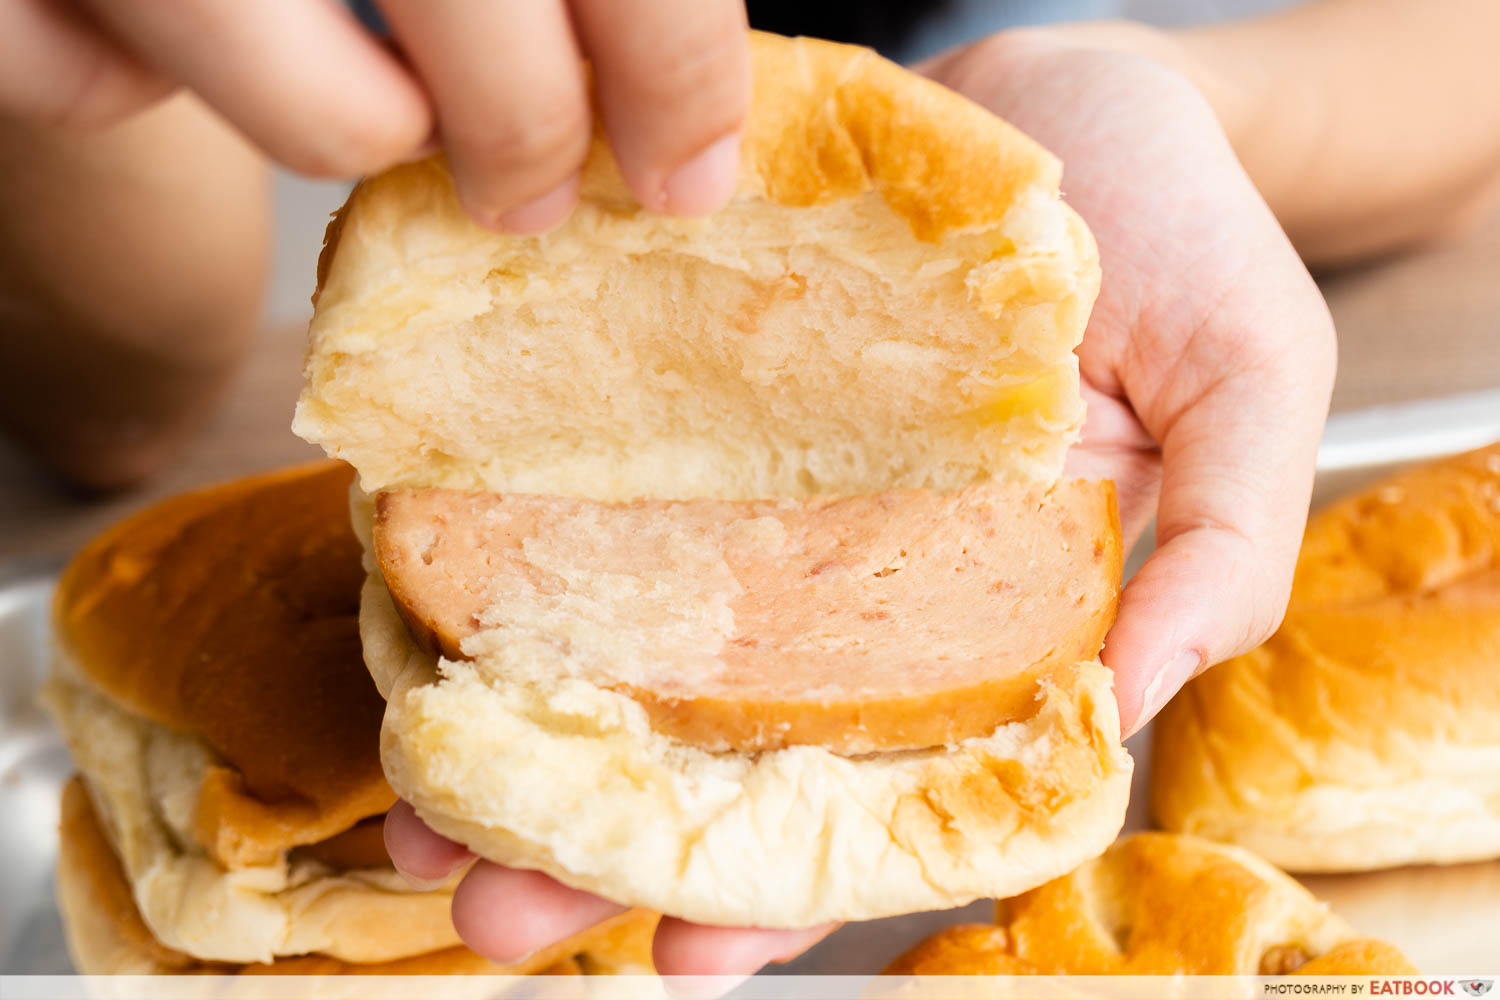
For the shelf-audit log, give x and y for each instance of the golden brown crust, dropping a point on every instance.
(230, 614)
(831, 121)
(360, 846)
(1025, 578)
(939, 160)
(1360, 957)
(106, 934)
(1158, 904)
(1361, 734)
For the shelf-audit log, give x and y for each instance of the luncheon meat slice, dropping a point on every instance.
(898, 620)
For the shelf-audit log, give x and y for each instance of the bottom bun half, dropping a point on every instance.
(568, 778)
(106, 935)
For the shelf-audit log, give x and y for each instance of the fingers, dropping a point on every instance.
(57, 68)
(506, 914)
(502, 913)
(1114, 445)
(684, 949)
(1238, 464)
(301, 79)
(507, 78)
(674, 89)
(427, 859)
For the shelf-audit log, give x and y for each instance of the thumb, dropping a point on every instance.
(1237, 469)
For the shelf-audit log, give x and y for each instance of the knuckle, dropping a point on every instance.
(690, 65)
(552, 135)
(356, 144)
(698, 80)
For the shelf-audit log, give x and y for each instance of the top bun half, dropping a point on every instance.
(890, 300)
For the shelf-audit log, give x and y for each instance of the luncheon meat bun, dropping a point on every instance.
(890, 300)
(1158, 904)
(881, 320)
(1363, 733)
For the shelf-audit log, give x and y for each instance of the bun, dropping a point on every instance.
(890, 300)
(888, 304)
(106, 935)
(1362, 734)
(207, 677)
(1158, 904)
(143, 779)
(229, 616)
(785, 838)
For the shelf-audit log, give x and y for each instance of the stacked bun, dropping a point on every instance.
(209, 682)
(1158, 904)
(1363, 733)
(744, 537)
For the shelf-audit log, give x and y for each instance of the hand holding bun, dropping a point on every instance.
(745, 539)
(1208, 360)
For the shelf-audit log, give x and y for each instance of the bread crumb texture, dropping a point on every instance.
(1362, 734)
(890, 300)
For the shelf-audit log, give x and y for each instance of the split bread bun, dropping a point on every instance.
(1362, 734)
(741, 537)
(1158, 904)
(207, 678)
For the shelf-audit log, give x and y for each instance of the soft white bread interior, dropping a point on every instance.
(890, 300)
(1159, 904)
(1363, 733)
(889, 303)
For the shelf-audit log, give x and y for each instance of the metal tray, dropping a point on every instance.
(1443, 918)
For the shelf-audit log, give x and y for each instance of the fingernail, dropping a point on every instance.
(705, 182)
(1166, 683)
(541, 214)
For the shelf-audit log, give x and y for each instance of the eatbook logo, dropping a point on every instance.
(1477, 987)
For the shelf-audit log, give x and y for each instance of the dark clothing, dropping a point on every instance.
(881, 24)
